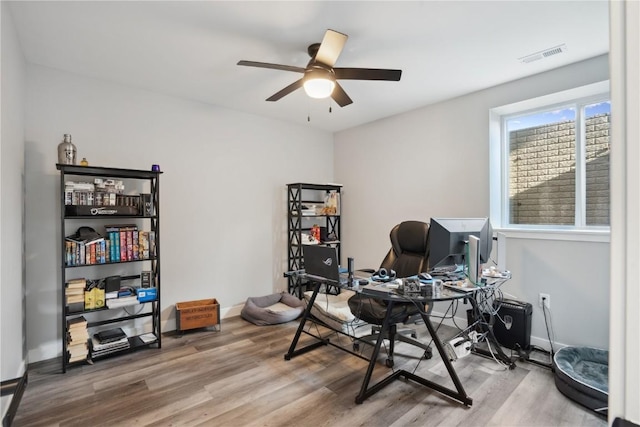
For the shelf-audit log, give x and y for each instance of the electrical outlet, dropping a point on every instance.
(544, 299)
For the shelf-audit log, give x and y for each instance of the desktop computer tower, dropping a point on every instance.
(514, 330)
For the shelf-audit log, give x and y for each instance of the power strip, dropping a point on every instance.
(457, 348)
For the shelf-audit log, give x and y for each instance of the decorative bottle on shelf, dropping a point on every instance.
(66, 151)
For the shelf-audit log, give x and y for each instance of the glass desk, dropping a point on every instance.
(366, 390)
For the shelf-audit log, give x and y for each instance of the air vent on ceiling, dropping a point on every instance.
(543, 54)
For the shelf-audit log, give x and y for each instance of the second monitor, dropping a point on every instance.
(449, 237)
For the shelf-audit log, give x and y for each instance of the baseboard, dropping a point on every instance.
(231, 311)
(16, 388)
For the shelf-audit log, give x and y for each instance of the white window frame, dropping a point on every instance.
(499, 165)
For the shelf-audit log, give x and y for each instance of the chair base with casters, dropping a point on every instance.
(395, 335)
(370, 309)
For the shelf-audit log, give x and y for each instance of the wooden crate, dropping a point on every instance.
(197, 314)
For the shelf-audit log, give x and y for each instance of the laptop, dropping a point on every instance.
(321, 263)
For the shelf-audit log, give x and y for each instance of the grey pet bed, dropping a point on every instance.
(582, 374)
(272, 309)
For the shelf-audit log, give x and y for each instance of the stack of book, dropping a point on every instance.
(74, 292)
(107, 342)
(127, 243)
(85, 247)
(77, 337)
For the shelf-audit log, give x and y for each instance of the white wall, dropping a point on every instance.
(222, 193)
(11, 204)
(433, 162)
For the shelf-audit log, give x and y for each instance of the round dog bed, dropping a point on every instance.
(582, 374)
(272, 309)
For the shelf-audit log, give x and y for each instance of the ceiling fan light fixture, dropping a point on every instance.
(320, 78)
(319, 88)
(319, 83)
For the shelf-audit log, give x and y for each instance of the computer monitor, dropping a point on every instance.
(448, 239)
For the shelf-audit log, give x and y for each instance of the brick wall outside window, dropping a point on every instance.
(542, 173)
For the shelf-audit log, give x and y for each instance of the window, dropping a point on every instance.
(551, 161)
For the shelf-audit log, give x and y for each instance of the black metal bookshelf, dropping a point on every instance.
(298, 196)
(68, 224)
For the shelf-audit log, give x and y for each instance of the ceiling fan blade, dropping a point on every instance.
(367, 74)
(340, 96)
(271, 66)
(331, 47)
(286, 91)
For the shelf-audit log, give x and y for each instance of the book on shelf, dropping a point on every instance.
(78, 356)
(73, 299)
(143, 244)
(78, 336)
(77, 322)
(123, 244)
(80, 283)
(75, 307)
(110, 335)
(135, 247)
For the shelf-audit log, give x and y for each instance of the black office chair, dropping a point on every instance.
(408, 256)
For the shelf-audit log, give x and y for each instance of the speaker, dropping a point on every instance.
(514, 330)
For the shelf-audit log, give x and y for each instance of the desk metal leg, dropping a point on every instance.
(461, 395)
(366, 391)
(292, 348)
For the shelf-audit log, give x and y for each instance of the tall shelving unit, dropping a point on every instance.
(73, 216)
(300, 195)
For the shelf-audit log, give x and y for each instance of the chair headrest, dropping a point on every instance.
(410, 236)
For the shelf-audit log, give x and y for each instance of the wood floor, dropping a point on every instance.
(238, 377)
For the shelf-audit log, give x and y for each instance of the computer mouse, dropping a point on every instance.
(424, 276)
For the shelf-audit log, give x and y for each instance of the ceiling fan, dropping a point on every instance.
(319, 79)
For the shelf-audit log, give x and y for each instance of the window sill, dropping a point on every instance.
(597, 236)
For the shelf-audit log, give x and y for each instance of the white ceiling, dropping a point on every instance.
(190, 49)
